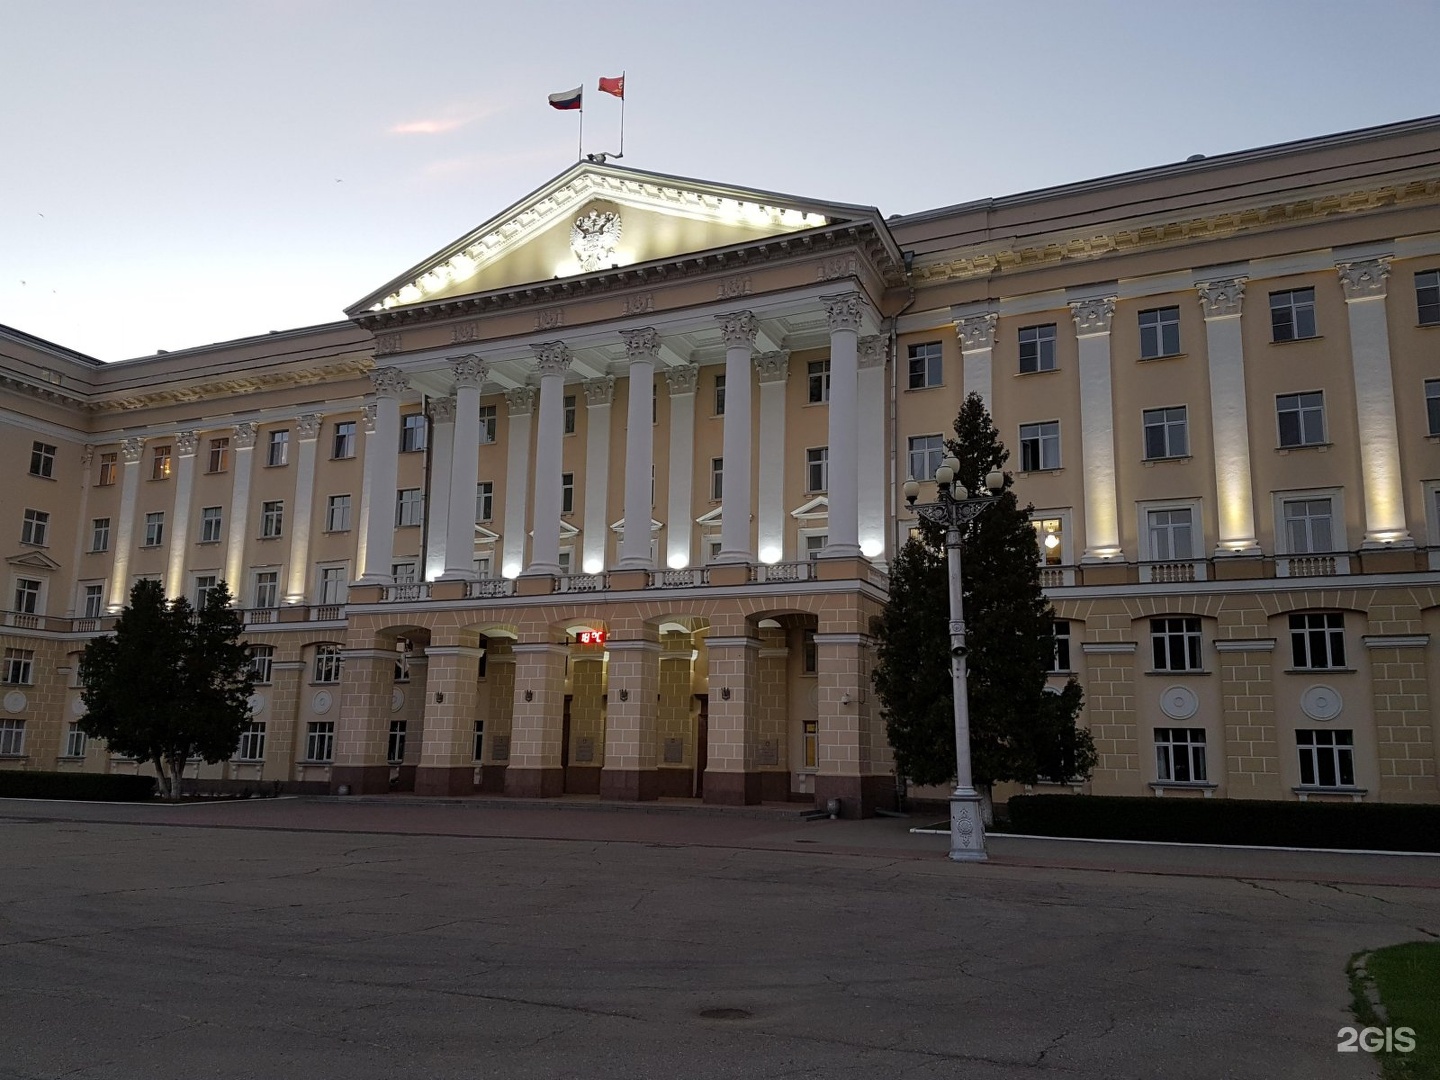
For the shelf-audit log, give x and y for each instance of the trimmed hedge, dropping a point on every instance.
(1372, 826)
(97, 787)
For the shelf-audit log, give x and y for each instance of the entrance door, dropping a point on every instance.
(702, 748)
(565, 746)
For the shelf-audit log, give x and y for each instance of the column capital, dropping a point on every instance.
(368, 415)
(871, 352)
(442, 410)
(389, 382)
(1221, 299)
(245, 434)
(185, 443)
(738, 328)
(132, 449)
(773, 367)
(599, 391)
(1093, 316)
(521, 400)
(976, 332)
(1364, 279)
(641, 344)
(87, 455)
(307, 426)
(551, 357)
(468, 371)
(844, 312)
(682, 379)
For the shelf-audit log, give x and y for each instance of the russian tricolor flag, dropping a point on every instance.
(570, 99)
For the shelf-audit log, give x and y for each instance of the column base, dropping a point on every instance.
(860, 796)
(445, 780)
(967, 828)
(360, 779)
(732, 788)
(629, 785)
(535, 783)
(492, 779)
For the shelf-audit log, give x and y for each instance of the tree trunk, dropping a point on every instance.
(177, 770)
(987, 805)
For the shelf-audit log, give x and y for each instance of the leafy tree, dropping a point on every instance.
(1018, 731)
(171, 683)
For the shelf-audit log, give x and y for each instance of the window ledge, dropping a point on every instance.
(917, 389)
(14, 757)
(1296, 340)
(70, 757)
(247, 761)
(1159, 672)
(41, 476)
(151, 547)
(1162, 786)
(1041, 472)
(208, 543)
(1306, 790)
(1433, 437)
(1166, 356)
(1149, 461)
(336, 532)
(276, 465)
(1319, 447)
(315, 764)
(1320, 671)
(1041, 371)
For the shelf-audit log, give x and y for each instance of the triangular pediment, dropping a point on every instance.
(594, 218)
(618, 527)
(711, 517)
(33, 560)
(484, 536)
(817, 507)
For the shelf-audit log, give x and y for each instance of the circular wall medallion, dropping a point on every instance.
(322, 701)
(397, 699)
(1179, 702)
(15, 701)
(78, 706)
(1321, 703)
(257, 703)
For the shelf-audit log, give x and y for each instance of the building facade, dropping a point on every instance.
(1219, 382)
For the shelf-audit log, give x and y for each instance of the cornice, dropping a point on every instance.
(240, 384)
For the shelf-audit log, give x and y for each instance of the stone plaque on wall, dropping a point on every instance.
(769, 752)
(674, 751)
(585, 750)
(501, 750)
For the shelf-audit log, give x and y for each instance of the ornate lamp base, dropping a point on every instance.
(967, 828)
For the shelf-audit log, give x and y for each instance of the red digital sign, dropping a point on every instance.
(590, 637)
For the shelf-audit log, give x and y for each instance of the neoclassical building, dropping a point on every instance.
(599, 499)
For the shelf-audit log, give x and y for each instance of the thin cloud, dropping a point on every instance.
(448, 119)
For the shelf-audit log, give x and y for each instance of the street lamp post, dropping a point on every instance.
(954, 508)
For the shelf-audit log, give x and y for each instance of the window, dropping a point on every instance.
(344, 442)
(252, 742)
(1040, 446)
(1050, 535)
(1180, 755)
(267, 588)
(92, 601)
(409, 507)
(1427, 297)
(205, 584)
(154, 529)
(402, 573)
(1037, 348)
(925, 370)
(412, 433)
(815, 544)
(12, 738)
(1159, 333)
(272, 519)
(396, 746)
(327, 663)
(479, 739)
(278, 449)
(320, 741)
(160, 463)
(1301, 418)
(1317, 640)
(484, 500)
(1176, 643)
(569, 414)
(487, 424)
(1308, 527)
(818, 377)
(1060, 660)
(810, 734)
(564, 561)
(1432, 404)
(100, 534)
(717, 479)
(262, 663)
(27, 596)
(219, 456)
(1327, 758)
(337, 513)
(817, 468)
(1292, 315)
(35, 527)
(719, 395)
(42, 460)
(333, 584)
(926, 453)
(809, 653)
(19, 666)
(210, 524)
(567, 493)
(482, 566)
(108, 468)
(1166, 433)
(74, 741)
(1170, 533)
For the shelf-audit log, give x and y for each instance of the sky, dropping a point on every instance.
(179, 173)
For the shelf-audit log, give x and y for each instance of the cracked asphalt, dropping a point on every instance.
(322, 939)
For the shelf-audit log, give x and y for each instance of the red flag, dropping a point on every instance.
(615, 87)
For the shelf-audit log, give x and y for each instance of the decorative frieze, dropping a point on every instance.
(1093, 316)
(1221, 299)
(387, 344)
(773, 366)
(738, 328)
(1364, 280)
(600, 391)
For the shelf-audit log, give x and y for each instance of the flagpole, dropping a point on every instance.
(622, 115)
(580, 146)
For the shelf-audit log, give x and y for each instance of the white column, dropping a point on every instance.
(977, 350)
(773, 368)
(552, 360)
(679, 523)
(641, 347)
(599, 395)
(185, 442)
(243, 443)
(1097, 428)
(845, 314)
(1221, 302)
(442, 450)
(82, 531)
(871, 428)
(1364, 284)
(469, 373)
(738, 329)
(131, 451)
(521, 402)
(362, 540)
(302, 510)
(382, 462)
